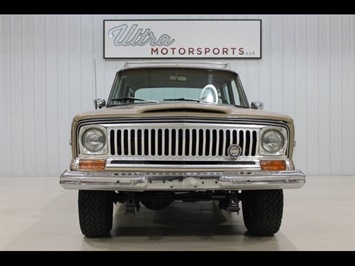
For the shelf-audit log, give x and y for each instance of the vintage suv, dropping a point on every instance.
(181, 131)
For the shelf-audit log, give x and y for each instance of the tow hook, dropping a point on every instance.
(132, 206)
(233, 204)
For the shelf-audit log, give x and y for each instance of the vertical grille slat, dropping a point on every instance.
(188, 140)
(223, 148)
(197, 145)
(156, 141)
(150, 148)
(135, 141)
(129, 142)
(169, 142)
(183, 142)
(203, 142)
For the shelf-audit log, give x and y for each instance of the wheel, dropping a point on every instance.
(156, 204)
(95, 212)
(209, 94)
(262, 211)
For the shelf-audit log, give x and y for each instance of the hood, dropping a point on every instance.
(145, 110)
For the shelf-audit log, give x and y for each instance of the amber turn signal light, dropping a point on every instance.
(92, 164)
(272, 165)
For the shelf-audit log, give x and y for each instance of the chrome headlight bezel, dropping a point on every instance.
(273, 141)
(98, 135)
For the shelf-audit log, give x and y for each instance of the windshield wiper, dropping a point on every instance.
(184, 99)
(134, 99)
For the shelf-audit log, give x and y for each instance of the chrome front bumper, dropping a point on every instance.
(183, 181)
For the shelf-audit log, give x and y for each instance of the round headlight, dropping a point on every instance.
(272, 141)
(93, 140)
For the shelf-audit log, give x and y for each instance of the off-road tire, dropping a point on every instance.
(95, 212)
(262, 211)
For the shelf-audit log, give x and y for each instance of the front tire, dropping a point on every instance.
(95, 212)
(262, 211)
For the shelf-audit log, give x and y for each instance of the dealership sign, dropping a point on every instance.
(182, 39)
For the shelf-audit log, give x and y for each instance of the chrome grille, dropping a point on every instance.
(185, 140)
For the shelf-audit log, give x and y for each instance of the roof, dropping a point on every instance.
(178, 63)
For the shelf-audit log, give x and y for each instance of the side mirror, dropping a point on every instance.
(257, 105)
(99, 103)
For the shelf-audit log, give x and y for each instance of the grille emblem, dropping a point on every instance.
(234, 150)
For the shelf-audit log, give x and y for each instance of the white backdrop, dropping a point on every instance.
(52, 67)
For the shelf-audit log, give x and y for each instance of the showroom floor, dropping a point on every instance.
(37, 214)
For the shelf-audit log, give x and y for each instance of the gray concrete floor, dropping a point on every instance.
(37, 214)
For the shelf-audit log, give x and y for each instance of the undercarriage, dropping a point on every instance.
(158, 200)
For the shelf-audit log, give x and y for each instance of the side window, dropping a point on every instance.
(235, 93)
(224, 95)
(122, 90)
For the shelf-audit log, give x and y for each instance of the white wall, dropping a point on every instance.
(47, 63)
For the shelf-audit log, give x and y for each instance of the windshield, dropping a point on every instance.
(177, 84)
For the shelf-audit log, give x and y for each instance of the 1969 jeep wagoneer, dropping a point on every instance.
(181, 131)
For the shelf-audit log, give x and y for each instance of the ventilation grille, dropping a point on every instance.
(177, 141)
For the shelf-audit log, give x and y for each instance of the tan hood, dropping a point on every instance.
(180, 109)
